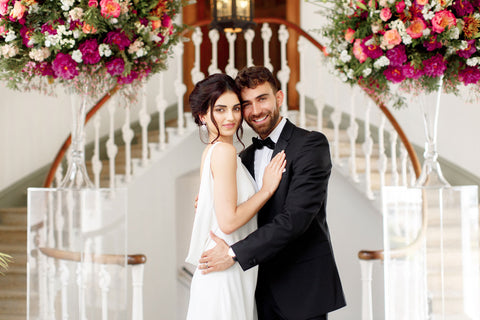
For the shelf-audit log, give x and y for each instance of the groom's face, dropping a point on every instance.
(261, 108)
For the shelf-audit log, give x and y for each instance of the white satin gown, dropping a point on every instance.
(229, 294)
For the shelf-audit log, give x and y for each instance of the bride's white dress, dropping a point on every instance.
(229, 294)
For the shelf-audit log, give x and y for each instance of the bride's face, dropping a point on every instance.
(227, 112)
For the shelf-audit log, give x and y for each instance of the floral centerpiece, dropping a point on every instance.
(84, 44)
(412, 43)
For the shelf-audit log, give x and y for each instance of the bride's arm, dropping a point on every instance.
(230, 217)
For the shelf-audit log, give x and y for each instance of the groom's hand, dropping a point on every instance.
(217, 258)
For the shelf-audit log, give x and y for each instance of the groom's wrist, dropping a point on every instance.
(232, 254)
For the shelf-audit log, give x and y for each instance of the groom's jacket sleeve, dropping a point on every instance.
(304, 200)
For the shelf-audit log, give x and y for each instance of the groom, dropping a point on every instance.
(297, 277)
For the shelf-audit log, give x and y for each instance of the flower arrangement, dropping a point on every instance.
(86, 45)
(412, 43)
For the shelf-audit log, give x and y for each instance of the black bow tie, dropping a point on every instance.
(259, 143)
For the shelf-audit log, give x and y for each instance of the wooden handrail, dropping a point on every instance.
(118, 259)
(61, 153)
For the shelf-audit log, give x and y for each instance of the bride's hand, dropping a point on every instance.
(273, 173)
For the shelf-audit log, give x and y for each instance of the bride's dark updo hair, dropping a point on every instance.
(206, 93)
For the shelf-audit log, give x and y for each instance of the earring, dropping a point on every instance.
(203, 128)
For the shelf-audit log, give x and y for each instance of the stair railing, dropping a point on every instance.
(344, 153)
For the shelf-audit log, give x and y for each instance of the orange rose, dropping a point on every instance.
(18, 10)
(349, 35)
(87, 28)
(422, 2)
(391, 38)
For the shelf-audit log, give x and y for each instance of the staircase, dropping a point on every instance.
(13, 286)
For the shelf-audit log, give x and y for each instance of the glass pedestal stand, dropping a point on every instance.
(77, 241)
(431, 241)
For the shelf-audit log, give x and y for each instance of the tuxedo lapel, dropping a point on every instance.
(284, 137)
(248, 159)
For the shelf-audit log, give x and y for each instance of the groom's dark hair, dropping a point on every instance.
(251, 77)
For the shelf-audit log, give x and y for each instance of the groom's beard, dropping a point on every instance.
(266, 128)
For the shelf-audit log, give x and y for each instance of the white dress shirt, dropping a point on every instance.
(264, 155)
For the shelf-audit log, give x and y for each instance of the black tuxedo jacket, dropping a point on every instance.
(292, 244)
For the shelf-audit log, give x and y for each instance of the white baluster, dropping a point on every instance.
(127, 135)
(82, 285)
(137, 295)
(301, 85)
(413, 177)
(59, 222)
(51, 221)
(393, 151)
(366, 271)
(197, 38)
(230, 68)
(64, 279)
(144, 122)
(104, 284)
(42, 285)
(382, 158)
(214, 36)
(180, 87)
(112, 148)
(352, 133)
(51, 288)
(284, 74)
(367, 150)
(266, 36)
(403, 161)
(59, 175)
(70, 204)
(336, 118)
(96, 163)
(161, 107)
(249, 35)
(319, 98)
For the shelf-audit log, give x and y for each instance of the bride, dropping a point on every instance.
(227, 202)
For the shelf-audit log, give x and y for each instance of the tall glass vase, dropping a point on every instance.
(76, 176)
(431, 175)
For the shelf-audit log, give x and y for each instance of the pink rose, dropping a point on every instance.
(422, 2)
(391, 38)
(415, 30)
(110, 8)
(358, 51)
(442, 20)
(93, 3)
(3, 7)
(349, 35)
(385, 14)
(18, 10)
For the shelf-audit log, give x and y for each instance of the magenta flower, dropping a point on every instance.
(466, 53)
(469, 75)
(410, 72)
(394, 74)
(435, 66)
(89, 50)
(115, 67)
(26, 34)
(432, 44)
(118, 38)
(462, 7)
(167, 23)
(64, 66)
(371, 50)
(48, 28)
(45, 69)
(400, 6)
(129, 78)
(397, 55)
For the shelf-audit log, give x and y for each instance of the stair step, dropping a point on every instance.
(13, 235)
(13, 216)
(16, 281)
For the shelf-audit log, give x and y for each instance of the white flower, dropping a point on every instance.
(52, 39)
(141, 52)
(381, 62)
(134, 47)
(426, 32)
(114, 20)
(104, 50)
(76, 33)
(10, 36)
(366, 72)
(473, 61)
(77, 56)
(33, 8)
(408, 3)
(343, 77)
(68, 43)
(428, 15)
(39, 54)
(345, 57)
(463, 45)
(453, 33)
(350, 73)
(9, 50)
(66, 4)
(76, 13)
(406, 39)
